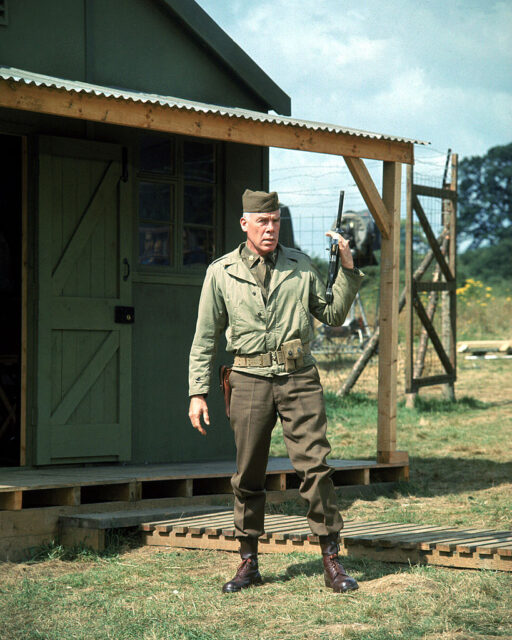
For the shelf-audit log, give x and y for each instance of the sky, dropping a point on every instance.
(434, 70)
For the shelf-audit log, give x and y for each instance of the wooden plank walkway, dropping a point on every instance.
(384, 541)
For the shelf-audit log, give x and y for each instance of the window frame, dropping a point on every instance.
(176, 272)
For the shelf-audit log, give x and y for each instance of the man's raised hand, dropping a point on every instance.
(345, 254)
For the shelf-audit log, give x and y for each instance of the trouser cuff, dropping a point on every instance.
(330, 544)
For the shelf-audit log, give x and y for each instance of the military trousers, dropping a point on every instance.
(297, 399)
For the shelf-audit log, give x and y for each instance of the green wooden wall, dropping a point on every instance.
(58, 38)
(165, 311)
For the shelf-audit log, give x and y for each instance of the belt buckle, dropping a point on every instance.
(273, 357)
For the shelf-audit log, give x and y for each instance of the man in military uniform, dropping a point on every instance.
(261, 295)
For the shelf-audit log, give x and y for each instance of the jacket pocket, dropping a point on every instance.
(304, 322)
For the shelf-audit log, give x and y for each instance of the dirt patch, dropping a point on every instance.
(459, 635)
(341, 630)
(12, 572)
(398, 582)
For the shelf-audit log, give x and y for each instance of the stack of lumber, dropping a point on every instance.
(480, 347)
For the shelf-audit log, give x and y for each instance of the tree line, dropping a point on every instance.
(485, 215)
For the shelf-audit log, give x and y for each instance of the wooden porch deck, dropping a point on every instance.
(73, 486)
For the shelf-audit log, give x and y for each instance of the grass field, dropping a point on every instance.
(461, 475)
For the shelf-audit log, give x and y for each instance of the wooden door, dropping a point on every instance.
(83, 354)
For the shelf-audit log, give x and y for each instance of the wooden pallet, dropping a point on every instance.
(89, 529)
(387, 542)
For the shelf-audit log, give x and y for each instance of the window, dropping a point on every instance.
(4, 12)
(155, 224)
(198, 202)
(177, 203)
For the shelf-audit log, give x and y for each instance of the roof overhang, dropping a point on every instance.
(37, 93)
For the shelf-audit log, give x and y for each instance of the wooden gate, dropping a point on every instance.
(443, 281)
(83, 355)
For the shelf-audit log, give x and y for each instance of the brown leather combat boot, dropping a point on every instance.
(247, 573)
(335, 575)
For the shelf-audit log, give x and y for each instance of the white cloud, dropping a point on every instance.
(437, 71)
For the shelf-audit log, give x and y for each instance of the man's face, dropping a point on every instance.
(262, 231)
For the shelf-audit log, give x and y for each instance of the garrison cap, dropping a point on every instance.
(259, 201)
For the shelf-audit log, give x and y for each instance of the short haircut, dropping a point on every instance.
(246, 214)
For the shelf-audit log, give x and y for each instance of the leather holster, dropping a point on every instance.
(225, 386)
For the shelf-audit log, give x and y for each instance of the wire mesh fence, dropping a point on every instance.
(309, 193)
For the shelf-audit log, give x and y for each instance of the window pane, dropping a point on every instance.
(197, 246)
(198, 161)
(154, 244)
(154, 201)
(155, 154)
(198, 205)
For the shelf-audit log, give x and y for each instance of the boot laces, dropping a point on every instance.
(336, 564)
(244, 566)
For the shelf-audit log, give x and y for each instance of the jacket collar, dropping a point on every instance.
(252, 258)
(285, 265)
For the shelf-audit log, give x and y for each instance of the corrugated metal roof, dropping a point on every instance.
(30, 78)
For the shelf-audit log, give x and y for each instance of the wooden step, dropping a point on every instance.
(89, 529)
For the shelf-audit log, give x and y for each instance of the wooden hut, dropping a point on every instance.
(116, 196)
(119, 225)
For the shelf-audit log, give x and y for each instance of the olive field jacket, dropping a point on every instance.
(232, 302)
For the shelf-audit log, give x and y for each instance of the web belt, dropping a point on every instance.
(266, 359)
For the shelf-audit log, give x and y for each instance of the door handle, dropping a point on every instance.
(126, 266)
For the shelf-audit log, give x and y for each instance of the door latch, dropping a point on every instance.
(124, 315)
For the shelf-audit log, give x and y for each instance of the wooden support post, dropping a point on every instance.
(24, 301)
(11, 500)
(453, 261)
(276, 482)
(134, 491)
(68, 496)
(449, 298)
(388, 323)
(409, 311)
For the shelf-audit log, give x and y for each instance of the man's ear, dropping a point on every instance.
(243, 223)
